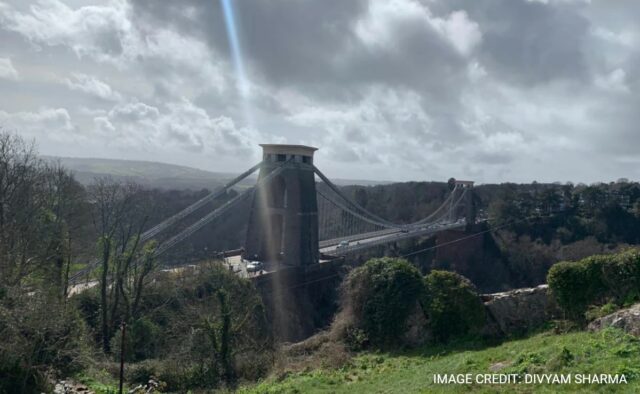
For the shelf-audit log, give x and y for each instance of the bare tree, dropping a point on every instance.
(65, 217)
(39, 205)
(120, 213)
(20, 203)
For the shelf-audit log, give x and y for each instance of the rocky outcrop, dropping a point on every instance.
(517, 311)
(626, 319)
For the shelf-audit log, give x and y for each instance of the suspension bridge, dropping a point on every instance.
(299, 218)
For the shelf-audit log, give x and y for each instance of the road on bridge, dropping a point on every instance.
(382, 237)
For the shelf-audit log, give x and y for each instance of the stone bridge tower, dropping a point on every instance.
(283, 222)
(469, 202)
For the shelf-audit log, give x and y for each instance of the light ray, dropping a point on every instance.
(242, 82)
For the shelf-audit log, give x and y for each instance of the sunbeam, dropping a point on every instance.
(242, 82)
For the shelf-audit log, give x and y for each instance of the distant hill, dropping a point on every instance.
(161, 175)
(147, 173)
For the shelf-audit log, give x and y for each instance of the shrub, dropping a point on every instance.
(87, 303)
(142, 341)
(595, 312)
(621, 276)
(379, 296)
(452, 304)
(576, 285)
(595, 280)
(39, 335)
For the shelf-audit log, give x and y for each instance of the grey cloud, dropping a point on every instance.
(493, 158)
(530, 42)
(399, 89)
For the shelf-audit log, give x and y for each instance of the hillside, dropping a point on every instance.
(578, 353)
(163, 175)
(147, 173)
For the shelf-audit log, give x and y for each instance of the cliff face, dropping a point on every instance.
(476, 257)
(497, 260)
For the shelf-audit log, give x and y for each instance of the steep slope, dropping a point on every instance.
(574, 354)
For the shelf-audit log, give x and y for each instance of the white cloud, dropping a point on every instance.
(463, 33)
(106, 33)
(44, 122)
(7, 70)
(385, 122)
(385, 20)
(100, 32)
(93, 86)
(177, 125)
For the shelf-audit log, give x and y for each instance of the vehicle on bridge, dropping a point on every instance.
(255, 266)
(342, 244)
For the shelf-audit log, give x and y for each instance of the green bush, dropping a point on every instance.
(575, 285)
(87, 303)
(595, 312)
(621, 276)
(38, 335)
(173, 375)
(142, 341)
(595, 280)
(452, 305)
(381, 294)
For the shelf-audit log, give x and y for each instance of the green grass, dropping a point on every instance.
(100, 382)
(609, 351)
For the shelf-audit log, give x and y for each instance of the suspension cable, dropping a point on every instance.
(149, 234)
(373, 218)
(214, 214)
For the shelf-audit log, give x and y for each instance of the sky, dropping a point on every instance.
(486, 90)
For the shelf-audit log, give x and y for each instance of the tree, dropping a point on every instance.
(505, 209)
(550, 200)
(40, 205)
(219, 336)
(218, 326)
(593, 198)
(21, 183)
(66, 221)
(120, 213)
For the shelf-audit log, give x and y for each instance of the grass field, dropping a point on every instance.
(608, 352)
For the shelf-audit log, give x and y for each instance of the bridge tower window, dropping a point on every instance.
(281, 157)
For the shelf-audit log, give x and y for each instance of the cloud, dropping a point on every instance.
(43, 122)
(93, 86)
(176, 125)
(108, 33)
(94, 31)
(7, 70)
(386, 22)
(613, 81)
(400, 89)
